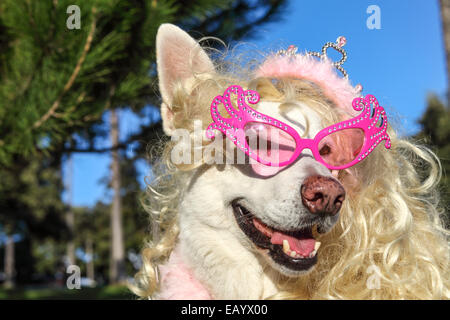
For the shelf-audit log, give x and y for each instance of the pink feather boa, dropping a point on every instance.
(177, 281)
(320, 72)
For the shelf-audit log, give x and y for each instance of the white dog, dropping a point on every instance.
(250, 231)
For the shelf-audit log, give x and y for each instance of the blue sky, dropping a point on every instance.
(400, 64)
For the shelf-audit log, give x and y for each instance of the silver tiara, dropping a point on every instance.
(338, 46)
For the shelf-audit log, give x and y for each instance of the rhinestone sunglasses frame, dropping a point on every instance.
(233, 127)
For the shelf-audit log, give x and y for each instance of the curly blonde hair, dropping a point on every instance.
(390, 225)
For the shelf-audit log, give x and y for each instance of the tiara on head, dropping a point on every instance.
(321, 71)
(338, 46)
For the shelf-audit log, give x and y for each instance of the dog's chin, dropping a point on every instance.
(292, 253)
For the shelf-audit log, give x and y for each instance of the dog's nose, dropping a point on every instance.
(322, 195)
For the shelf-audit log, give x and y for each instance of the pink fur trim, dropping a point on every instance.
(321, 72)
(178, 281)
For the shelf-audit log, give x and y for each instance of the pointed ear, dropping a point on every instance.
(178, 57)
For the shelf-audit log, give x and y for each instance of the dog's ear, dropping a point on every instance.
(178, 57)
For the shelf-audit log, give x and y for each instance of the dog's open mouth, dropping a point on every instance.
(295, 250)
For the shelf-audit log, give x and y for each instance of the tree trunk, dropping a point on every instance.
(70, 219)
(9, 263)
(90, 263)
(117, 267)
(445, 15)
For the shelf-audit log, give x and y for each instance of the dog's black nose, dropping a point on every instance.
(322, 195)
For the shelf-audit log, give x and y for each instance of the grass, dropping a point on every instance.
(115, 292)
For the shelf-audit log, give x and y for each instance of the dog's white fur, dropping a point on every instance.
(219, 253)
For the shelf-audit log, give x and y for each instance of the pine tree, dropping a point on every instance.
(445, 15)
(117, 269)
(9, 262)
(30, 207)
(57, 83)
(435, 123)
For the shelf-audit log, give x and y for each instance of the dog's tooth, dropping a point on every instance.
(317, 246)
(286, 247)
(293, 254)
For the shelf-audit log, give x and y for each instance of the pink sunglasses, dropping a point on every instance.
(274, 143)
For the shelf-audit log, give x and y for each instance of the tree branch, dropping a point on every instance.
(112, 91)
(97, 150)
(72, 78)
(148, 135)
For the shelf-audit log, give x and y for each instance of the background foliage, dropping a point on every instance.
(57, 88)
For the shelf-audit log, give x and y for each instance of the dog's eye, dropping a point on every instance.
(325, 150)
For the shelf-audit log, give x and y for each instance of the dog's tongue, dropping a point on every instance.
(301, 246)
